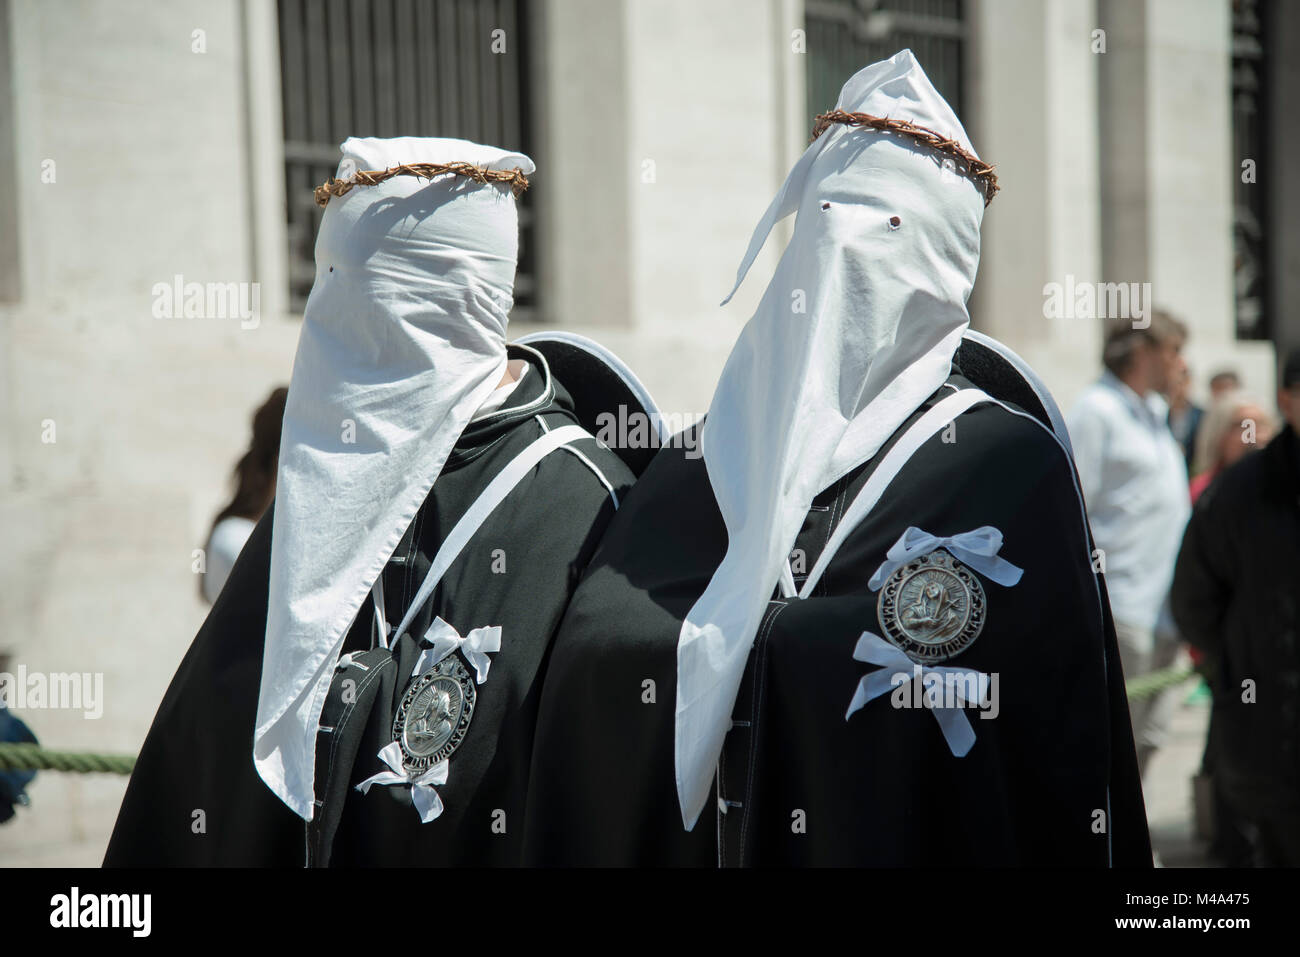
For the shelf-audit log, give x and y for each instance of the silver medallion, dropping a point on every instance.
(434, 714)
(932, 608)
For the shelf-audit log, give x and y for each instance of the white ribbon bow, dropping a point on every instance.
(423, 795)
(953, 722)
(978, 549)
(444, 639)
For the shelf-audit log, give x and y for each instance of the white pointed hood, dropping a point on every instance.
(403, 338)
(858, 327)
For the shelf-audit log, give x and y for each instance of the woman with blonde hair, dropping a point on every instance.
(1235, 424)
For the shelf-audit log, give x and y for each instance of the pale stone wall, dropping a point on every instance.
(151, 146)
(1034, 115)
(667, 133)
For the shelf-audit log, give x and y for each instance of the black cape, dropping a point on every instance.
(518, 572)
(1051, 780)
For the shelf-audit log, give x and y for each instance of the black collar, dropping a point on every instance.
(537, 393)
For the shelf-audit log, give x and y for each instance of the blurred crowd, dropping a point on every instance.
(1195, 513)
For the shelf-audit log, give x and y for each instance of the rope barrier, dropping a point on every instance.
(1144, 686)
(32, 757)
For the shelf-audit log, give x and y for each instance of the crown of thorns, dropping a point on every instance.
(516, 179)
(974, 167)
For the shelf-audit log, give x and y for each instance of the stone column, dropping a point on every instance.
(1034, 100)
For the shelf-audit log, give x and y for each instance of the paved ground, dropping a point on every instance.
(1168, 785)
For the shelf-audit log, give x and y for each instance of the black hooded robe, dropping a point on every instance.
(1051, 780)
(517, 571)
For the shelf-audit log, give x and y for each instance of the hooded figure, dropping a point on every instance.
(762, 634)
(370, 672)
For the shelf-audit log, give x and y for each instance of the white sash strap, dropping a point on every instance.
(786, 583)
(939, 415)
(595, 469)
(492, 496)
(381, 616)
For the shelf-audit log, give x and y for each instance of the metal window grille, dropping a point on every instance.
(396, 68)
(846, 35)
(1250, 227)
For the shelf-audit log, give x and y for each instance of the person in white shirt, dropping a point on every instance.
(254, 475)
(1134, 481)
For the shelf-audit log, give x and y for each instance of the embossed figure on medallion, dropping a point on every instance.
(933, 611)
(436, 709)
(932, 608)
(434, 714)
